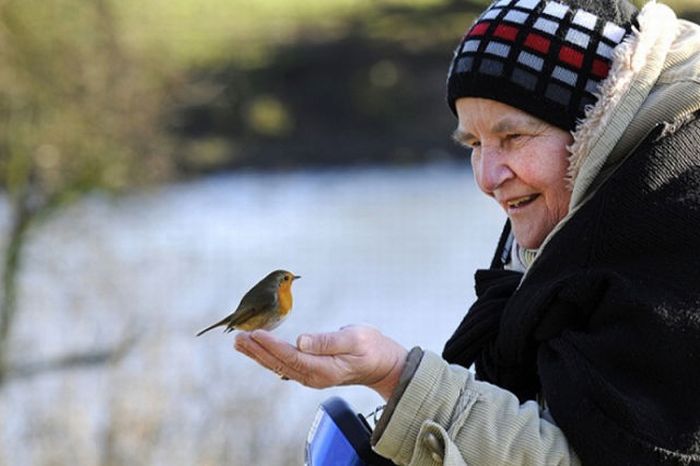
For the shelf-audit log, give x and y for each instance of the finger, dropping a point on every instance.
(288, 354)
(240, 338)
(249, 347)
(318, 371)
(280, 348)
(244, 344)
(265, 337)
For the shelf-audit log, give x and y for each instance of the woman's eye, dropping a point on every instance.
(514, 136)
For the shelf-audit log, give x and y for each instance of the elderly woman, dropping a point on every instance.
(581, 117)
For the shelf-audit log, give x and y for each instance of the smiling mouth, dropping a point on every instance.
(521, 201)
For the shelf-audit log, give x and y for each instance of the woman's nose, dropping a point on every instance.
(492, 170)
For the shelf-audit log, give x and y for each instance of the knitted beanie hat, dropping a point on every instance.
(545, 58)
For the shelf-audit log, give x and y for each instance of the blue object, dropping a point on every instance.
(340, 437)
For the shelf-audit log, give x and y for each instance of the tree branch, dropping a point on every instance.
(76, 360)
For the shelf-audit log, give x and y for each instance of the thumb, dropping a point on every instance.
(320, 343)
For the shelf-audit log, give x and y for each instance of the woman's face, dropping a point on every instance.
(520, 161)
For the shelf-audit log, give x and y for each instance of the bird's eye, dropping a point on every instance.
(286, 278)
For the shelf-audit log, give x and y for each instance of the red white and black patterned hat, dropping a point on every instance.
(546, 58)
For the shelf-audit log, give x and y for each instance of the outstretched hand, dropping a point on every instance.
(354, 355)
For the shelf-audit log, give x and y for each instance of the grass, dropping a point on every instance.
(187, 32)
(190, 32)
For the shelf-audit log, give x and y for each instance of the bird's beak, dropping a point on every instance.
(296, 276)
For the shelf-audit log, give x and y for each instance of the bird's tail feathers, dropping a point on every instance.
(221, 322)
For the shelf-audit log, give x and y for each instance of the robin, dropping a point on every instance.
(263, 306)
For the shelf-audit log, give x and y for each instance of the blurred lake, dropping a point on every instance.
(394, 248)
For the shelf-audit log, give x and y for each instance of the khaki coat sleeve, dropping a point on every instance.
(445, 416)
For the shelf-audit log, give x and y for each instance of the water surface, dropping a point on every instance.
(392, 248)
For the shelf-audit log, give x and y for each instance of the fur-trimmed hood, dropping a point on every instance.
(654, 79)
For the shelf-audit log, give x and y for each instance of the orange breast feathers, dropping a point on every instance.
(285, 297)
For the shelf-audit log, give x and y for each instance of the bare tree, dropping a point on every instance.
(78, 112)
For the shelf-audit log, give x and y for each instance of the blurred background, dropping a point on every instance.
(158, 158)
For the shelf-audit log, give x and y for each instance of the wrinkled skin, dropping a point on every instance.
(354, 355)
